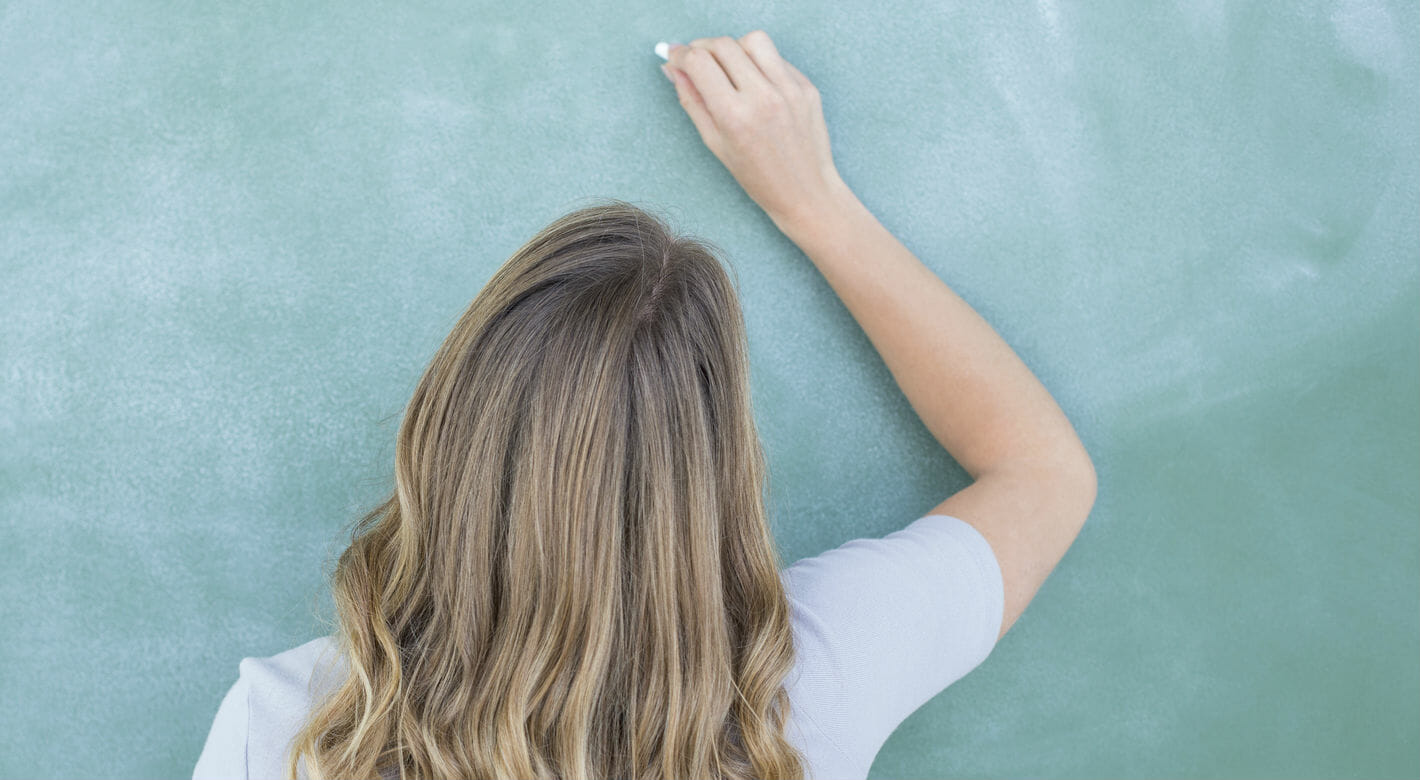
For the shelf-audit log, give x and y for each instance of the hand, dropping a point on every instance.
(761, 117)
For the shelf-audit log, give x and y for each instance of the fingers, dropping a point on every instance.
(742, 70)
(694, 105)
(720, 68)
(705, 72)
(716, 74)
(766, 56)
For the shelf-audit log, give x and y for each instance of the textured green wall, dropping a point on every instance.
(231, 237)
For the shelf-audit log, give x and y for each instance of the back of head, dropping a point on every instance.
(574, 576)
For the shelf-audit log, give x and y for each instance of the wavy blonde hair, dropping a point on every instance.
(574, 576)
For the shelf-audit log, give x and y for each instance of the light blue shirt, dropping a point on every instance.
(880, 625)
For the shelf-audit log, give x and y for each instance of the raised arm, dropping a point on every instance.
(1033, 483)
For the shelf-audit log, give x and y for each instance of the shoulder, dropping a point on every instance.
(281, 691)
(883, 624)
(291, 669)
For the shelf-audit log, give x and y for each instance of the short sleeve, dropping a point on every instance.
(895, 621)
(224, 755)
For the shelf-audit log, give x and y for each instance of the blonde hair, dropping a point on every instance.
(574, 576)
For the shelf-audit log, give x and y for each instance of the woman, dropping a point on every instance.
(574, 576)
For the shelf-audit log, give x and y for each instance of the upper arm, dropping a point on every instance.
(224, 755)
(885, 624)
(1030, 517)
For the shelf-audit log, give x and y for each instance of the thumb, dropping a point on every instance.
(694, 105)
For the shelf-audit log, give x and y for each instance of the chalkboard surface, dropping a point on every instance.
(232, 235)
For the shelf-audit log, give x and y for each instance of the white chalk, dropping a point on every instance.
(663, 50)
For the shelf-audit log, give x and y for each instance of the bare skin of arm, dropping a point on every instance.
(1033, 484)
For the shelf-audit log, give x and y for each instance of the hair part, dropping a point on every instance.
(574, 575)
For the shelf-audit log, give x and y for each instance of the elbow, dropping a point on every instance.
(1062, 475)
(1065, 483)
(1076, 483)
(1089, 487)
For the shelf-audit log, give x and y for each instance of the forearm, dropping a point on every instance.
(967, 385)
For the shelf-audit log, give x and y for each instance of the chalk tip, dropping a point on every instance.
(663, 50)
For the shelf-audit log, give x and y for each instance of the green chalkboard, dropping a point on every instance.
(232, 235)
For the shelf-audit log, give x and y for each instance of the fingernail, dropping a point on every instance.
(666, 70)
